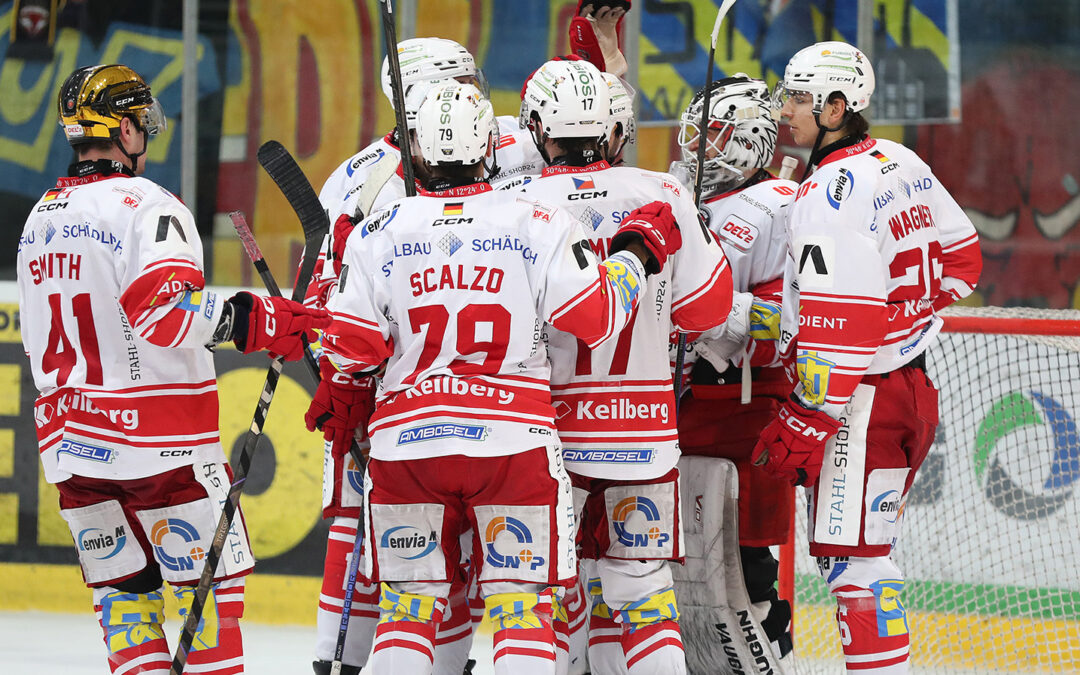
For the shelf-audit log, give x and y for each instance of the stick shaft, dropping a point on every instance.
(405, 141)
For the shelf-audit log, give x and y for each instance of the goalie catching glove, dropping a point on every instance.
(654, 226)
(342, 404)
(275, 324)
(793, 445)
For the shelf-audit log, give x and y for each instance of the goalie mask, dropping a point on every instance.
(455, 125)
(93, 101)
(824, 68)
(426, 62)
(741, 135)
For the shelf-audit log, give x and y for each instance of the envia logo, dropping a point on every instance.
(888, 505)
(621, 517)
(520, 537)
(408, 542)
(172, 534)
(99, 544)
(1021, 481)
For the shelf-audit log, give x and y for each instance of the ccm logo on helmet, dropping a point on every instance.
(800, 427)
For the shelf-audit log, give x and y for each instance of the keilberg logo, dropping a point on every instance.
(1027, 455)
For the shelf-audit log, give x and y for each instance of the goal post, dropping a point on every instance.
(990, 545)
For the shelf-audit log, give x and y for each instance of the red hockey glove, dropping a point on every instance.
(655, 226)
(274, 324)
(595, 34)
(343, 227)
(793, 445)
(342, 404)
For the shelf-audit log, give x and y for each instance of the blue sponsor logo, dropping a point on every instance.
(85, 230)
(372, 157)
(92, 453)
(408, 542)
(654, 536)
(176, 544)
(887, 504)
(839, 188)
(211, 303)
(631, 456)
(99, 544)
(522, 539)
(431, 432)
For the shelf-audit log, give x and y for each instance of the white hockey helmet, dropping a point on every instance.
(622, 107)
(426, 62)
(566, 99)
(455, 125)
(824, 68)
(740, 112)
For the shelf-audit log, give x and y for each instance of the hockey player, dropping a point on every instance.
(116, 321)
(452, 288)
(746, 208)
(616, 412)
(879, 247)
(622, 130)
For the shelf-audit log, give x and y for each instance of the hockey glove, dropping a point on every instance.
(655, 226)
(342, 404)
(793, 445)
(594, 35)
(343, 227)
(274, 324)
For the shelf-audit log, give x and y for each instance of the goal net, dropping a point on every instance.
(991, 537)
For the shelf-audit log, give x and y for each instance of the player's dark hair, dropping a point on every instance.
(104, 145)
(855, 124)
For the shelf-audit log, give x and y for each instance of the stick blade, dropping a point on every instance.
(290, 179)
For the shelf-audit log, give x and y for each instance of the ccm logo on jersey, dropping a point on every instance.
(739, 233)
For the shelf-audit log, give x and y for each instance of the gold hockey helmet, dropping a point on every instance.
(94, 99)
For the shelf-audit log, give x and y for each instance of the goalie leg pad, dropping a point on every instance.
(409, 613)
(718, 622)
(524, 640)
(364, 613)
(870, 614)
(131, 623)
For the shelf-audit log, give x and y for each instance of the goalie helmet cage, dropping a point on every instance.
(990, 544)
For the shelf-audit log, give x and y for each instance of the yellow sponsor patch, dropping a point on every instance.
(814, 373)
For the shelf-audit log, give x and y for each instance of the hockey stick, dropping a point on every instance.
(247, 238)
(405, 140)
(298, 191)
(703, 141)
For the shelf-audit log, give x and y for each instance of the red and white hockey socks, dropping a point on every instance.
(405, 636)
(133, 633)
(571, 625)
(364, 614)
(650, 635)
(869, 613)
(605, 635)
(217, 648)
(524, 640)
(454, 636)
(873, 628)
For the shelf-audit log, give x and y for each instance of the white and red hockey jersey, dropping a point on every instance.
(516, 155)
(750, 224)
(114, 320)
(616, 405)
(878, 245)
(454, 289)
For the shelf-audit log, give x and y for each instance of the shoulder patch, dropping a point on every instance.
(366, 158)
(671, 186)
(839, 188)
(378, 221)
(816, 257)
(739, 232)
